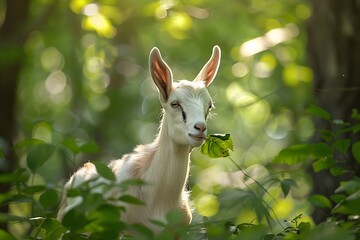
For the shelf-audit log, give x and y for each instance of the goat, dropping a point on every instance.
(164, 163)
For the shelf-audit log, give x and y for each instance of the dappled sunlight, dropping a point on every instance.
(42, 131)
(87, 80)
(207, 205)
(294, 75)
(51, 59)
(178, 24)
(270, 39)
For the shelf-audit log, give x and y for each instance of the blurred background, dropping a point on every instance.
(74, 74)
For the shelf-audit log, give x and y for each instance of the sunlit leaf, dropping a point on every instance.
(38, 155)
(217, 146)
(322, 164)
(299, 153)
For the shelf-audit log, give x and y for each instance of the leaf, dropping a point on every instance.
(104, 171)
(51, 227)
(337, 171)
(74, 220)
(131, 200)
(6, 235)
(350, 205)
(299, 153)
(38, 155)
(142, 230)
(49, 199)
(341, 145)
(28, 143)
(349, 186)
(355, 149)
(89, 147)
(320, 201)
(286, 184)
(174, 217)
(20, 175)
(318, 112)
(323, 163)
(217, 146)
(33, 189)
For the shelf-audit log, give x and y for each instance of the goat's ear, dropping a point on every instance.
(160, 73)
(208, 72)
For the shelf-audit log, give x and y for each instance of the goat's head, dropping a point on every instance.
(186, 103)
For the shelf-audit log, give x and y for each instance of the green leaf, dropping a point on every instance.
(299, 153)
(131, 200)
(350, 205)
(38, 155)
(349, 186)
(174, 217)
(337, 171)
(217, 146)
(355, 149)
(28, 143)
(323, 163)
(89, 147)
(6, 235)
(318, 112)
(104, 171)
(51, 227)
(286, 184)
(33, 189)
(337, 198)
(341, 145)
(49, 199)
(142, 230)
(304, 227)
(320, 201)
(20, 175)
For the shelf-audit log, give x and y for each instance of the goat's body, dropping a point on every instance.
(163, 164)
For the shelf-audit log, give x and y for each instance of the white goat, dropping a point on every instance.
(164, 163)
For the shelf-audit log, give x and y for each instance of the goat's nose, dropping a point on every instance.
(200, 126)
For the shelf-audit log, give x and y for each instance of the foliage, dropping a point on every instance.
(83, 94)
(98, 218)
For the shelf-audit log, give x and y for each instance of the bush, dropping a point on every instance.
(34, 202)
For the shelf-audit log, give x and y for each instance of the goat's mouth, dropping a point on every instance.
(197, 137)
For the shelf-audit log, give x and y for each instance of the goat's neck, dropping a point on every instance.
(170, 165)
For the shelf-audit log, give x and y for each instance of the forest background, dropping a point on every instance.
(75, 87)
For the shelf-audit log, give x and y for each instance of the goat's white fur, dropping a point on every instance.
(164, 163)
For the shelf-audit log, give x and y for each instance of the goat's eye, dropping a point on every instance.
(175, 104)
(211, 105)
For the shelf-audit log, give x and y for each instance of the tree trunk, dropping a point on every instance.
(11, 49)
(334, 53)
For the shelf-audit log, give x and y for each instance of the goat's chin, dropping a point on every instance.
(196, 141)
